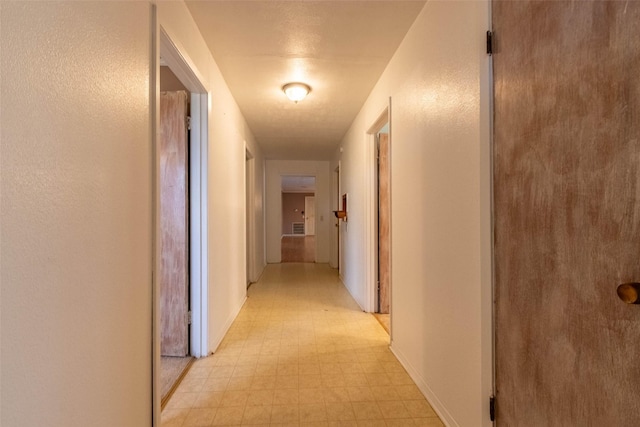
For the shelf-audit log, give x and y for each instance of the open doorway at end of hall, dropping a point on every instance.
(174, 218)
(298, 219)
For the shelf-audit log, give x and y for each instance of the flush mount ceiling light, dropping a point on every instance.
(296, 91)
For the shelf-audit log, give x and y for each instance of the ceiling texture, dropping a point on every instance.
(339, 48)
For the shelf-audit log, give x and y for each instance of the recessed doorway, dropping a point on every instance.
(298, 219)
(381, 139)
(188, 216)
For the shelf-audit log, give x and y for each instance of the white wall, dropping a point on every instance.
(228, 134)
(441, 239)
(275, 170)
(76, 214)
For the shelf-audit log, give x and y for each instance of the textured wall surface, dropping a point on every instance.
(567, 187)
(75, 219)
(438, 81)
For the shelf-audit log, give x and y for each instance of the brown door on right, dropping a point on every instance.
(567, 212)
(384, 225)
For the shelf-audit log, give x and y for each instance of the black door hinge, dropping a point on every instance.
(489, 43)
(492, 408)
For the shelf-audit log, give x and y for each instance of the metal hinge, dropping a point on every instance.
(489, 43)
(492, 408)
(188, 122)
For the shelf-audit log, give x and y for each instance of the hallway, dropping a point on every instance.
(301, 352)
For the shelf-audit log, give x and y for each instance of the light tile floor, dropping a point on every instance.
(300, 353)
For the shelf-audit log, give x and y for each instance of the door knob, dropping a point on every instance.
(629, 293)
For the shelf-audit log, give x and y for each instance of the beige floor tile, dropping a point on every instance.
(310, 381)
(428, 422)
(337, 394)
(372, 423)
(197, 371)
(287, 396)
(313, 412)
(361, 394)
(393, 409)
(366, 411)
(200, 417)
(192, 384)
(385, 393)
(343, 423)
(260, 398)
(234, 398)
(309, 369)
(340, 411)
(419, 409)
(215, 384)
(173, 417)
(256, 415)
(285, 414)
(228, 416)
(310, 396)
(355, 380)
(244, 370)
(409, 392)
(286, 381)
(208, 399)
(181, 400)
(300, 352)
(221, 372)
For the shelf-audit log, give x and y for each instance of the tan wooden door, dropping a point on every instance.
(174, 225)
(567, 212)
(384, 225)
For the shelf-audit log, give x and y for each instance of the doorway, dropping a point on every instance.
(174, 272)
(195, 209)
(380, 137)
(249, 213)
(298, 219)
(383, 189)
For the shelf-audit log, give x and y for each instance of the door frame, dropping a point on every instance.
(371, 209)
(250, 214)
(163, 47)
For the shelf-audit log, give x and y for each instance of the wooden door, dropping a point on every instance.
(309, 216)
(567, 212)
(384, 225)
(174, 225)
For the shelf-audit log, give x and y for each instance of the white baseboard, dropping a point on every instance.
(227, 324)
(433, 400)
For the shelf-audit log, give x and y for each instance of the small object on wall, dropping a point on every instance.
(342, 214)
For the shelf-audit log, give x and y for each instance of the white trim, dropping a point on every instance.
(370, 224)
(154, 119)
(250, 214)
(198, 224)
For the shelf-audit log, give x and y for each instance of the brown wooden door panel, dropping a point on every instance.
(384, 224)
(174, 227)
(567, 212)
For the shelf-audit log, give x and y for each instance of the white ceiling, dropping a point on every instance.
(339, 48)
(298, 184)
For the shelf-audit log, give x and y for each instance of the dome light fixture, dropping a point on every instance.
(296, 91)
